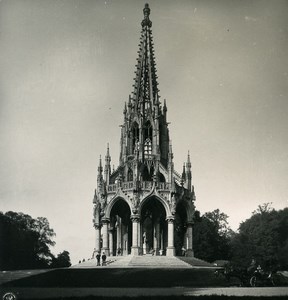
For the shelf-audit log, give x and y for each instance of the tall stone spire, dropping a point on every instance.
(145, 133)
(145, 94)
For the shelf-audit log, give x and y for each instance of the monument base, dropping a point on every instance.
(135, 251)
(170, 251)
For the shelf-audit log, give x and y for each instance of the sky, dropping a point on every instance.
(67, 67)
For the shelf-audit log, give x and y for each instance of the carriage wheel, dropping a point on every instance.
(253, 281)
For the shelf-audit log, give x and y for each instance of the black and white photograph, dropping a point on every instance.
(144, 149)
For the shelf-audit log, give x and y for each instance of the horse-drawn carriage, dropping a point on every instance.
(246, 277)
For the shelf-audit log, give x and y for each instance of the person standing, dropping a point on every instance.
(103, 259)
(98, 258)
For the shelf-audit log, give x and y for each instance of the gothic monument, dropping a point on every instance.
(144, 206)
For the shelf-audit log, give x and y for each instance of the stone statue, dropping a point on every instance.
(173, 204)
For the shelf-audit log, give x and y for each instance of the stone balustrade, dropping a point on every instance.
(144, 185)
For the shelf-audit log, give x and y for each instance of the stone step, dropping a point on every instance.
(111, 261)
(158, 261)
(144, 261)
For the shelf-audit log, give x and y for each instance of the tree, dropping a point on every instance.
(264, 237)
(211, 236)
(263, 208)
(62, 260)
(25, 241)
(220, 221)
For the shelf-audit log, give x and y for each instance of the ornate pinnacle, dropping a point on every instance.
(107, 158)
(188, 160)
(146, 12)
(95, 197)
(184, 173)
(108, 153)
(100, 169)
(129, 102)
(165, 106)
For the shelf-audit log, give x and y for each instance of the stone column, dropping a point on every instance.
(111, 241)
(119, 236)
(139, 238)
(161, 242)
(135, 227)
(190, 251)
(97, 237)
(170, 249)
(157, 237)
(105, 246)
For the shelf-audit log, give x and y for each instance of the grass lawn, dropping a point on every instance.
(129, 277)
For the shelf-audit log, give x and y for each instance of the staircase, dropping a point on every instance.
(111, 261)
(146, 261)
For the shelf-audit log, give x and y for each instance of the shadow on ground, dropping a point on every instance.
(136, 277)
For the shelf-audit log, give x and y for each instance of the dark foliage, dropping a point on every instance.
(61, 261)
(25, 242)
(211, 236)
(263, 237)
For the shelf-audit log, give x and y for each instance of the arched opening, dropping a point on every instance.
(153, 227)
(180, 228)
(120, 240)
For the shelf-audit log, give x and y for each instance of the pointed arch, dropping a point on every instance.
(120, 229)
(112, 203)
(162, 201)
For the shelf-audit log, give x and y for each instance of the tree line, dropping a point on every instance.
(25, 243)
(263, 237)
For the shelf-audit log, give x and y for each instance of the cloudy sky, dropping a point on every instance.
(67, 67)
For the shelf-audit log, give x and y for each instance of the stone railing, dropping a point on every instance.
(126, 186)
(164, 186)
(144, 185)
(112, 188)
